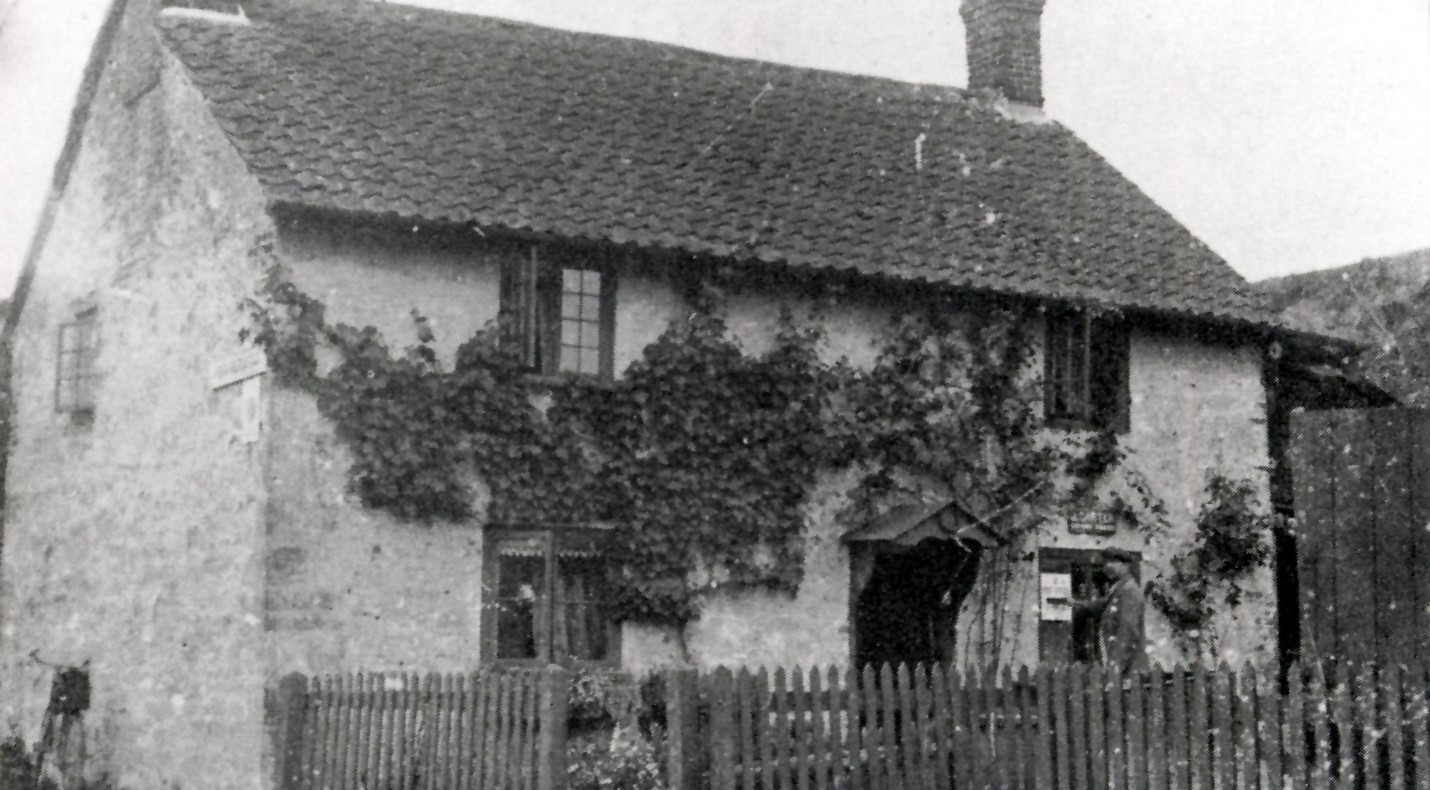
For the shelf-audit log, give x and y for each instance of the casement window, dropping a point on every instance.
(75, 374)
(558, 312)
(1066, 633)
(544, 598)
(1086, 371)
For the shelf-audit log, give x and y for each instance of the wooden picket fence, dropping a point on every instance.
(1346, 727)
(1062, 729)
(479, 731)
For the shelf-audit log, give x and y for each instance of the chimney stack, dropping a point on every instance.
(1005, 47)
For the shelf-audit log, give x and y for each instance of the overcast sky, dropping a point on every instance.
(1288, 134)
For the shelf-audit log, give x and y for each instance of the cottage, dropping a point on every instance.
(195, 514)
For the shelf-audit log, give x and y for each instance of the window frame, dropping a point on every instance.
(76, 387)
(1086, 371)
(1088, 562)
(531, 308)
(587, 538)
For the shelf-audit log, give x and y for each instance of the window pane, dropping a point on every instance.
(591, 282)
(516, 631)
(580, 346)
(590, 360)
(580, 622)
(83, 393)
(571, 333)
(571, 280)
(521, 572)
(591, 309)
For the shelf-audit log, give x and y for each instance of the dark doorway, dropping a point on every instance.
(907, 611)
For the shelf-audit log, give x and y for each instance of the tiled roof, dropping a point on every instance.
(419, 114)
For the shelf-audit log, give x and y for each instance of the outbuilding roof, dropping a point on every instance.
(417, 114)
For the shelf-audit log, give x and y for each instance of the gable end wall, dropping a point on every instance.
(132, 542)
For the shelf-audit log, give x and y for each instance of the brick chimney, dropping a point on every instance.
(1005, 47)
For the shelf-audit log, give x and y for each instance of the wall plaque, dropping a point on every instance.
(1093, 522)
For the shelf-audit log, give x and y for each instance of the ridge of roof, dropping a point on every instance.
(407, 112)
(443, 19)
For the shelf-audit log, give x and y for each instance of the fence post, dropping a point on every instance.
(551, 738)
(290, 711)
(682, 723)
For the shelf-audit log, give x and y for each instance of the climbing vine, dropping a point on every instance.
(700, 455)
(950, 402)
(1230, 542)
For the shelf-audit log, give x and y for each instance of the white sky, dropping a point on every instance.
(1287, 134)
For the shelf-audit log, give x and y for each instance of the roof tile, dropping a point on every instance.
(423, 114)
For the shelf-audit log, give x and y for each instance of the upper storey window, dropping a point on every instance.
(1086, 371)
(559, 313)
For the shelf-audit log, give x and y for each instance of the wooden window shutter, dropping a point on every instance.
(1110, 387)
(518, 308)
(1123, 421)
(608, 322)
(1068, 367)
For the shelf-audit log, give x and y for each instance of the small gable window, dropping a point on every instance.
(75, 374)
(558, 312)
(1086, 371)
(544, 598)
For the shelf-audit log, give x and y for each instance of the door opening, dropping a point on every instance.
(907, 611)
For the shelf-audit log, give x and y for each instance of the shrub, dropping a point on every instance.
(623, 760)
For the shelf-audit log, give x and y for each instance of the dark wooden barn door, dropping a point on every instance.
(1362, 499)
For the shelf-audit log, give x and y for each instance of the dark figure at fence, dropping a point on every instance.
(1119, 629)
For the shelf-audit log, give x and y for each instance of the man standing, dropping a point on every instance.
(1119, 630)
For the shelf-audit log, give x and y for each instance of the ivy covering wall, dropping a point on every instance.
(700, 456)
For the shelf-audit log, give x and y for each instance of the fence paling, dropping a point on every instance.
(1318, 708)
(1074, 729)
(410, 732)
(1270, 714)
(820, 736)
(1243, 741)
(919, 727)
(849, 744)
(939, 725)
(1419, 728)
(1116, 758)
(745, 717)
(1388, 719)
(1293, 738)
(1135, 710)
